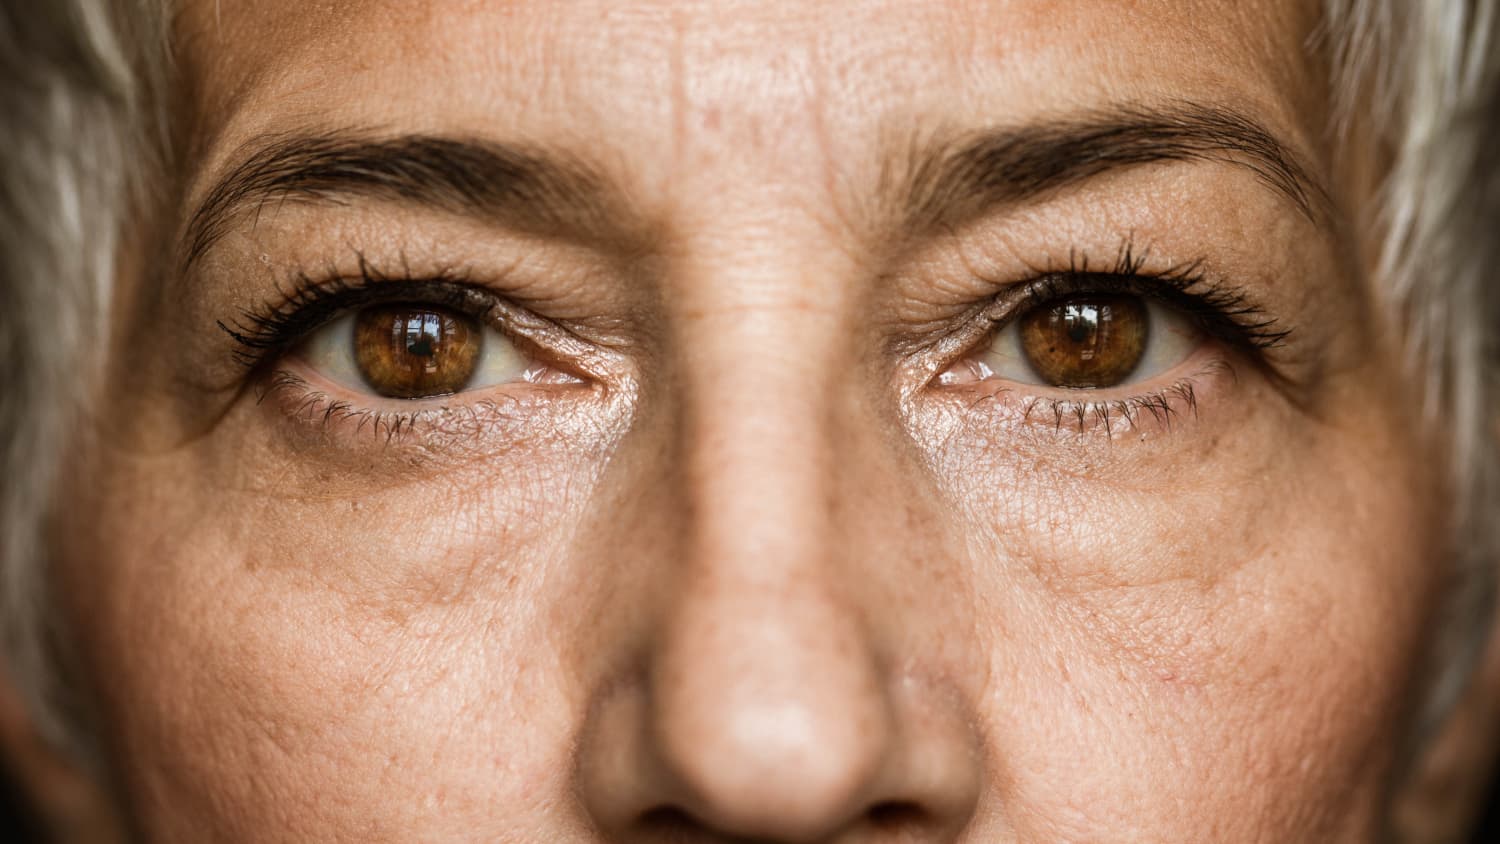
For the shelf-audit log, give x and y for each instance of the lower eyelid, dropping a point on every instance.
(317, 412)
(1174, 401)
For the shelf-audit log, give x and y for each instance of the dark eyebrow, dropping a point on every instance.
(532, 191)
(1007, 165)
(549, 192)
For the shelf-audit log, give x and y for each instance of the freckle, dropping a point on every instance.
(712, 118)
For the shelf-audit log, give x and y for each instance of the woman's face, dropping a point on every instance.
(656, 421)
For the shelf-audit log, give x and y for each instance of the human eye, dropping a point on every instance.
(392, 353)
(414, 351)
(1089, 341)
(1080, 347)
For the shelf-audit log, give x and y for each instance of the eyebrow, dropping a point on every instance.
(997, 167)
(542, 191)
(529, 190)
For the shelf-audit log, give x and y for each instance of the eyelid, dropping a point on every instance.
(308, 305)
(1219, 309)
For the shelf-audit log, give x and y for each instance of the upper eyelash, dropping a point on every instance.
(1221, 309)
(306, 304)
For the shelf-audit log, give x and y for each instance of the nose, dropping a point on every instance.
(764, 709)
(715, 749)
(773, 695)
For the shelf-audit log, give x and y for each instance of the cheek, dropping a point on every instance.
(1218, 635)
(296, 661)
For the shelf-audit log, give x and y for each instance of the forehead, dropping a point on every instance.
(793, 85)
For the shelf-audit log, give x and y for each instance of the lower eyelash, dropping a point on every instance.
(309, 405)
(1161, 408)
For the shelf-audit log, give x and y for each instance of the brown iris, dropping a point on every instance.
(412, 352)
(1086, 341)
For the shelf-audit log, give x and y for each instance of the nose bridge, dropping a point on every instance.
(763, 342)
(758, 432)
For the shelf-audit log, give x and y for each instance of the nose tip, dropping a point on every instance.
(780, 764)
(744, 731)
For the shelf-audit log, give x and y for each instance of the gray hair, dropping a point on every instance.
(1426, 75)
(76, 87)
(79, 82)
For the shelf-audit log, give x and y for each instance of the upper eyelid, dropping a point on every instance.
(275, 328)
(1203, 297)
(306, 306)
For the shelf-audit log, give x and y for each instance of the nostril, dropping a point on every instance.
(889, 818)
(669, 823)
(895, 816)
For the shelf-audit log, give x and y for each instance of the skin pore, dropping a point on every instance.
(750, 526)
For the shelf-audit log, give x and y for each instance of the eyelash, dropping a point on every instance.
(307, 304)
(311, 404)
(264, 334)
(1222, 311)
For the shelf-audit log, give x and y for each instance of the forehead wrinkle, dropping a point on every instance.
(789, 126)
(829, 63)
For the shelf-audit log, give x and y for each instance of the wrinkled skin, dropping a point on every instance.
(756, 571)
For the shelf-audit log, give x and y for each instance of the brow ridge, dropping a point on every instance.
(980, 170)
(1008, 165)
(457, 175)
